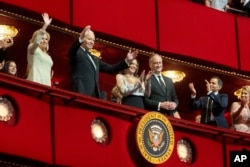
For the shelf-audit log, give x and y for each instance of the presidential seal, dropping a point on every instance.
(155, 137)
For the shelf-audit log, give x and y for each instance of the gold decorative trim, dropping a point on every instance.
(124, 47)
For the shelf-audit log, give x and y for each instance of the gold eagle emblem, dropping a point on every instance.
(155, 137)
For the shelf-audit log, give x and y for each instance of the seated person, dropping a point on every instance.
(197, 118)
(10, 68)
(239, 113)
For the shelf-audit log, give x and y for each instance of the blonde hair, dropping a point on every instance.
(116, 95)
(246, 88)
(36, 33)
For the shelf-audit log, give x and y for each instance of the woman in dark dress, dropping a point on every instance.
(130, 87)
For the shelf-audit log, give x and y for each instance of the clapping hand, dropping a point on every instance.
(144, 77)
(148, 76)
(244, 100)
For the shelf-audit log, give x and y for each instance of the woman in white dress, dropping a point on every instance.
(240, 113)
(40, 63)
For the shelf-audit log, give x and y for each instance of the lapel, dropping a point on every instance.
(93, 60)
(87, 55)
(157, 85)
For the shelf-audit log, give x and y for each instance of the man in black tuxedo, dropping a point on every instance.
(163, 97)
(213, 105)
(85, 67)
(242, 5)
(4, 44)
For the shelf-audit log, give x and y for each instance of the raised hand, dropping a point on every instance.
(46, 19)
(208, 86)
(192, 89)
(82, 34)
(142, 76)
(148, 76)
(131, 55)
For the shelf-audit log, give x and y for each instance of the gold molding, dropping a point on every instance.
(142, 52)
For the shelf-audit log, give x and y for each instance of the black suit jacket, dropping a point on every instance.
(158, 95)
(237, 4)
(85, 77)
(2, 55)
(220, 103)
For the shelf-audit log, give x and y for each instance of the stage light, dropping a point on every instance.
(7, 31)
(176, 76)
(99, 132)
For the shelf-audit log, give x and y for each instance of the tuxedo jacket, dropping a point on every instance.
(158, 95)
(2, 55)
(85, 76)
(220, 103)
(238, 4)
